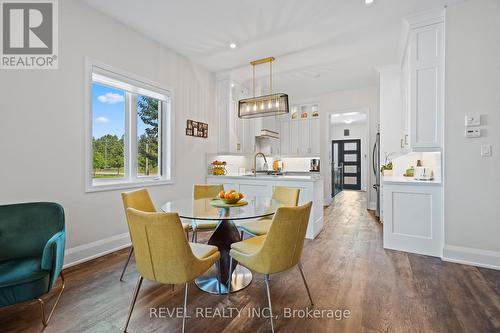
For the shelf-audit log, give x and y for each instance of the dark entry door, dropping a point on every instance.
(348, 154)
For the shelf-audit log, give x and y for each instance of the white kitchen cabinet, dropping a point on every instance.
(314, 136)
(294, 137)
(285, 136)
(413, 218)
(251, 190)
(248, 146)
(223, 100)
(426, 86)
(300, 136)
(304, 137)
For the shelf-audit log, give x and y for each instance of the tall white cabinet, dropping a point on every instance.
(412, 211)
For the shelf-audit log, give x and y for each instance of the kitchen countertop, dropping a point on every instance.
(304, 178)
(401, 180)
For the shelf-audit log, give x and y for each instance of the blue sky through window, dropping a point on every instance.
(108, 111)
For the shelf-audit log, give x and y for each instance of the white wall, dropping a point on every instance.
(358, 130)
(42, 125)
(340, 101)
(472, 183)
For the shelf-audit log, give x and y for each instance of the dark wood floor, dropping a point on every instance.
(347, 268)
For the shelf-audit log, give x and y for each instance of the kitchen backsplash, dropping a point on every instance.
(235, 162)
(429, 159)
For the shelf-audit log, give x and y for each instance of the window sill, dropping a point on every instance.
(111, 186)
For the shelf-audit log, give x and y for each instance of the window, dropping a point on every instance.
(129, 131)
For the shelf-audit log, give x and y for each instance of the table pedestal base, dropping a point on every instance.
(208, 282)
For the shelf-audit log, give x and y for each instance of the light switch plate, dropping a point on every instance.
(472, 132)
(486, 150)
(473, 120)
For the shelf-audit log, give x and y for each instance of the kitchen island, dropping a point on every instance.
(310, 185)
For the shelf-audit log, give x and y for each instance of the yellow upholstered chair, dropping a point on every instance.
(286, 196)
(141, 200)
(277, 251)
(204, 191)
(164, 255)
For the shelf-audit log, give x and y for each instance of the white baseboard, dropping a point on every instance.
(472, 256)
(327, 201)
(372, 206)
(79, 254)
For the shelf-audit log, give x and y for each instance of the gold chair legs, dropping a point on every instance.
(126, 263)
(45, 321)
(134, 299)
(269, 301)
(305, 283)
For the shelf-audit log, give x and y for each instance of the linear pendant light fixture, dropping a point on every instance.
(267, 105)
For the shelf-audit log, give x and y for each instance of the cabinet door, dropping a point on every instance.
(294, 137)
(248, 136)
(285, 137)
(256, 190)
(223, 99)
(314, 134)
(426, 93)
(304, 137)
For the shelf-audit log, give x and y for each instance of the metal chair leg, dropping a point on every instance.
(242, 234)
(45, 321)
(230, 277)
(269, 301)
(305, 283)
(134, 299)
(185, 308)
(218, 275)
(126, 263)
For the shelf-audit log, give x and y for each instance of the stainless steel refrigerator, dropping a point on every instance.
(376, 171)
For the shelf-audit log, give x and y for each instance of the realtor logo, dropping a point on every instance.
(29, 34)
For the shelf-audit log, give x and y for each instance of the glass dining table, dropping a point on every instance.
(224, 235)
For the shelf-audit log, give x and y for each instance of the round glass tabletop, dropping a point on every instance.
(201, 209)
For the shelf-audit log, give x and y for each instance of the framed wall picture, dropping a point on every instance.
(196, 128)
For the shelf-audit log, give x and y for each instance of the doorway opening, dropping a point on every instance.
(349, 149)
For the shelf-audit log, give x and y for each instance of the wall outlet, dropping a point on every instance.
(473, 120)
(472, 132)
(486, 150)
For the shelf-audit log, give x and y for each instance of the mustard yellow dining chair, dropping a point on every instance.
(141, 200)
(164, 255)
(277, 251)
(286, 196)
(204, 191)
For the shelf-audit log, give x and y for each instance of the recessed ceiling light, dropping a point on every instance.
(335, 115)
(350, 113)
(233, 45)
(348, 121)
(367, 2)
(232, 85)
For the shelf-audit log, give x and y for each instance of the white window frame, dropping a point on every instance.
(98, 72)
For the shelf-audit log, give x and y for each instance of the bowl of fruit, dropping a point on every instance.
(230, 197)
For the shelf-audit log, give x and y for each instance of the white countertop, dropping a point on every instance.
(401, 180)
(303, 178)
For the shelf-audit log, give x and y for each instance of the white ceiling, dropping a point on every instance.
(348, 118)
(319, 45)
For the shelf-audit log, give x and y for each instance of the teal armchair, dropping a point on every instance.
(32, 241)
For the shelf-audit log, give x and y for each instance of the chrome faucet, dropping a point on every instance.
(255, 162)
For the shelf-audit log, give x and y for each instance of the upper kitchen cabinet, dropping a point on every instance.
(235, 135)
(425, 97)
(299, 131)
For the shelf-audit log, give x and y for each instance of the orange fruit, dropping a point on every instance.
(221, 194)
